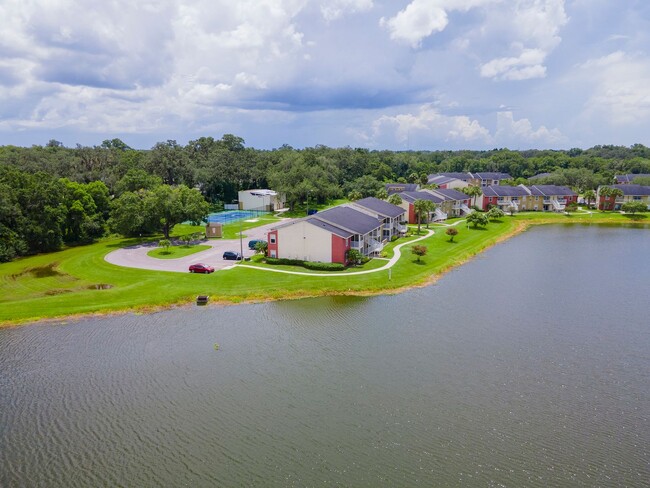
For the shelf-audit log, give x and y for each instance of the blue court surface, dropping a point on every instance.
(229, 216)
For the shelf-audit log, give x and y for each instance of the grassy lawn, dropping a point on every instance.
(231, 231)
(301, 209)
(79, 281)
(175, 252)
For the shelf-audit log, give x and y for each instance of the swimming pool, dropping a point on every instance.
(229, 216)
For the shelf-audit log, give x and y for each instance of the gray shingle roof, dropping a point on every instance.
(630, 178)
(505, 191)
(381, 207)
(451, 194)
(441, 179)
(552, 190)
(458, 176)
(350, 219)
(400, 187)
(330, 228)
(632, 189)
(411, 196)
(492, 176)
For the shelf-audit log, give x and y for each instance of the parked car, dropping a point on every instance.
(201, 268)
(232, 256)
(253, 243)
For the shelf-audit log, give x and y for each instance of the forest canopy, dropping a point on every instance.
(53, 195)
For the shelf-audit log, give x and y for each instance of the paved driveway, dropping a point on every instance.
(136, 256)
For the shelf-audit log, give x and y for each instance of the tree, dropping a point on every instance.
(609, 193)
(495, 213)
(589, 196)
(419, 251)
(422, 209)
(355, 195)
(477, 218)
(353, 256)
(424, 179)
(634, 207)
(642, 180)
(472, 191)
(261, 247)
(395, 199)
(451, 232)
(137, 179)
(382, 194)
(160, 209)
(165, 244)
(605, 192)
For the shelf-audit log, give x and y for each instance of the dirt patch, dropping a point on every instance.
(100, 286)
(59, 291)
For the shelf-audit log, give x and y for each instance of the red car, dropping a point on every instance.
(201, 268)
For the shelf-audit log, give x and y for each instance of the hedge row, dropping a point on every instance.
(307, 264)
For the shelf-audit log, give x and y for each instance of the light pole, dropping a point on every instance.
(241, 241)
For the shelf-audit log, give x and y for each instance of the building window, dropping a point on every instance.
(273, 254)
(272, 239)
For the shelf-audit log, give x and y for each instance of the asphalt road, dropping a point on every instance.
(136, 256)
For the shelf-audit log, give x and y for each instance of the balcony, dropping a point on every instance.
(374, 246)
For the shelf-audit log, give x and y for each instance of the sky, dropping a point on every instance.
(398, 75)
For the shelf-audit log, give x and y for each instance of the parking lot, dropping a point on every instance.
(136, 256)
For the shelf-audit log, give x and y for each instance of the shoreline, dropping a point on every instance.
(187, 302)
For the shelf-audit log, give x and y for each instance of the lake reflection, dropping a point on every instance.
(528, 366)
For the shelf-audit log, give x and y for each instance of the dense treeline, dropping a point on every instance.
(53, 195)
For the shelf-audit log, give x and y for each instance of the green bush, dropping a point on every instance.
(306, 264)
(323, 266)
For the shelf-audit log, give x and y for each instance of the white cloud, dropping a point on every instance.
(620, 88)
(428, 123)
(527, 65)
(531, 28)
(421, 18)
(333, 9)
(521, 132)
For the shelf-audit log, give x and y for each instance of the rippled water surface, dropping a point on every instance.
(529, 366)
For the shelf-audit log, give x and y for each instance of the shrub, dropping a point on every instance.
(323, 266)
(306, 264)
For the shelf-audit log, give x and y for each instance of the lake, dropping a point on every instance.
(528, 366)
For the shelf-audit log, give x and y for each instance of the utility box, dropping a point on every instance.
(214, 229)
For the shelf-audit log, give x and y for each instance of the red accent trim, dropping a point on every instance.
(273, 247)
(339, 246)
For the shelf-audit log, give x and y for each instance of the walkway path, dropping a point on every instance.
(391, 262)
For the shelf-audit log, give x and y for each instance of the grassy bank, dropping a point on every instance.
(79, 281)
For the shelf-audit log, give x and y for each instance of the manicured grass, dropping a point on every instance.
(231, 231)
(301, 210)
(79, 281)
(175, 252)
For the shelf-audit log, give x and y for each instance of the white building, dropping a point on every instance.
(264, 200)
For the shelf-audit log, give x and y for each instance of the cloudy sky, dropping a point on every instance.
(418, 74)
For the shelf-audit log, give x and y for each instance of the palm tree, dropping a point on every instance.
(472, 191)
(609, 192)
(606, 192)
(422, 208)
(589, 195)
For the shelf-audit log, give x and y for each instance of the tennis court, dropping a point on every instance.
(229, 216)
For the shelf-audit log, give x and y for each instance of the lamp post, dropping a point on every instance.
(241, 241)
